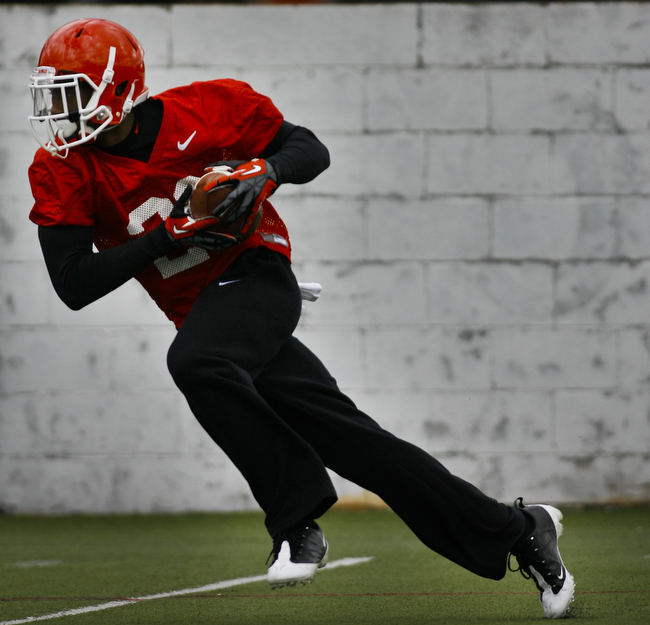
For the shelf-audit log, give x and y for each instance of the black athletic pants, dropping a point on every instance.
(274, 409)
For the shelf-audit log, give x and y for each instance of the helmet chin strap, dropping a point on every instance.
(128, 103)
(108, 72)
(107, 79)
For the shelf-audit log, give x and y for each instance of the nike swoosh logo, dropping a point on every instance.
(561, 575)
(179, 230)
(228, 282)
(255, 169)
(182, 146)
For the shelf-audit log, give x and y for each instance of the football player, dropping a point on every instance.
(116, 169)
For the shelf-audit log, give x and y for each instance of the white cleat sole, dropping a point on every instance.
(283, 572)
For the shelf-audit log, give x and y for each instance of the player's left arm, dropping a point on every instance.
(294, 155)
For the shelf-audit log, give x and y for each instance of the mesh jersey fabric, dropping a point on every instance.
(122, 198)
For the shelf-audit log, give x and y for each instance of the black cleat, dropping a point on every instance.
(297, 554)
(540, 560)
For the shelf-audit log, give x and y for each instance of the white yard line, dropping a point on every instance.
(174, 593)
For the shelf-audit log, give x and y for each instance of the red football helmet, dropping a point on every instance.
(90, 75)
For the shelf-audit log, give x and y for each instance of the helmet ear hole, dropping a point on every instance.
(121, 88)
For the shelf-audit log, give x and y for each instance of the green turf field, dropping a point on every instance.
(50, 565)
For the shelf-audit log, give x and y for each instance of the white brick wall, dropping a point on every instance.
(481, 237)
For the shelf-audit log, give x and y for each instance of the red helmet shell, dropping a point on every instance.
(83, 46)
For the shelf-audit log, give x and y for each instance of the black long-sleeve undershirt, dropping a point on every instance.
(81, 276)
(296, 155)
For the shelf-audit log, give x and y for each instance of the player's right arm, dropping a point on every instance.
(81, 276)
(65, 195)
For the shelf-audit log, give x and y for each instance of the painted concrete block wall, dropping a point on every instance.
(482, 239)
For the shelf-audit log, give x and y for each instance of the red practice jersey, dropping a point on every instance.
(123, 198)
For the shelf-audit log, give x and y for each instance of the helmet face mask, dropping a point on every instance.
(66, 109)
(90, 75)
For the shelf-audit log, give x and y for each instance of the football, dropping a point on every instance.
(207, 195)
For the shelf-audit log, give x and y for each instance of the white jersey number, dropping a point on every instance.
(193, 256)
